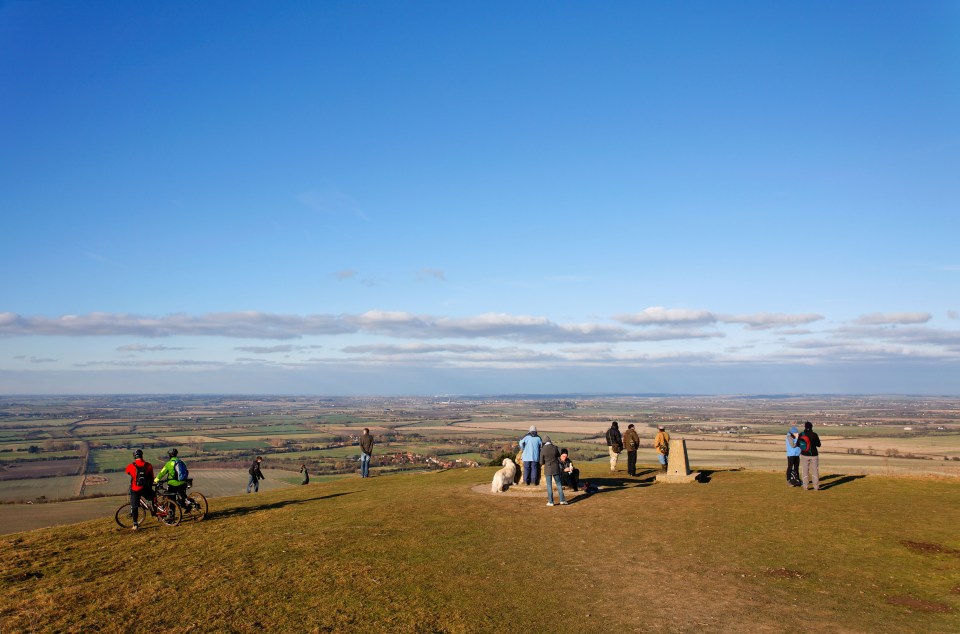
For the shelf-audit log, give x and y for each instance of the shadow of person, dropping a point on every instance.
(839, 481)
(244, 510)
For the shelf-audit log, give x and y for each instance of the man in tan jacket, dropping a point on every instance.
(662, 444)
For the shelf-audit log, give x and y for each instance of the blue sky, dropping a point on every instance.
(465, 197)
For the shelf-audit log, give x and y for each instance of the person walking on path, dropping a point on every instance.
(530, 446)
(662, 444)
(141, 484)
(615, 443)
(306, 475)
(793, 458)
(569, 475)
(255, 475)
(809, 456)
(366, 452)
(550, 459)
(631, 442)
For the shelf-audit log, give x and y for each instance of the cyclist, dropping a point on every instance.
(141, 484)
(176, 487)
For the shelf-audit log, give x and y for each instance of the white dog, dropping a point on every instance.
(504, 477)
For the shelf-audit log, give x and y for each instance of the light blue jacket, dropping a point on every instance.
(531, 447)
(793, 449)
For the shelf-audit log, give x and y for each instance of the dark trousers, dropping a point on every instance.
(135, 496)
(793, 468)
(180, 493)
(632, 463)
(571, 480)
(531, 472)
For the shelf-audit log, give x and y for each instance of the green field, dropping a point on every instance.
(425, 553)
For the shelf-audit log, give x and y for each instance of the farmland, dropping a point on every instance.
(57, 449)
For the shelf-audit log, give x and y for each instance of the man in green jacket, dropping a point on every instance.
(176, 487)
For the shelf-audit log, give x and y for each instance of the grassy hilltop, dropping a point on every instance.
(424, 553)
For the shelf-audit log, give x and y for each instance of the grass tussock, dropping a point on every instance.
(423, 553)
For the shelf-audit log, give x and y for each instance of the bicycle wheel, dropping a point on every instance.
(168, 511)
(124, 516)
(198, 510)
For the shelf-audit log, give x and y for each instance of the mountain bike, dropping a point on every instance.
(195, 506)
(163, 507)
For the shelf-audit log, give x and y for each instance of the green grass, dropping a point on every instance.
(424, 553)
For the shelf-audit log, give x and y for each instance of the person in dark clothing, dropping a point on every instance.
(366, 452)
(631, 442)
(550, 459)
(306, 475)
(808, 441)
(255, 475)
(569, 475)
(141, 484)
(615, 443)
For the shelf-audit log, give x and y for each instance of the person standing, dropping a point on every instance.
(255, 475)
(569, 475)
(793, 458)
(614, 443)
(662, 445)
(550, 459)
(306, 475)
(631, 442)
(141, 484)
(176, 486)
(530, 446)
(809, 456)
(366, 452)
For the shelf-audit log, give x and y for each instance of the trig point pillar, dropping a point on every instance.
(678, 467)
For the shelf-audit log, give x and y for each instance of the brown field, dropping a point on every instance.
(41, 469)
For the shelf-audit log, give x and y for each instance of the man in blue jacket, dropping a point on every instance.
(530, 445)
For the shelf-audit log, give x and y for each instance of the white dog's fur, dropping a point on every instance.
(504, 477)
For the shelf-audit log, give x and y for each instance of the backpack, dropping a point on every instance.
(141, 478)
(180, 471)
(804, 443)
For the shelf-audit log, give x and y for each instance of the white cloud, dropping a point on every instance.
(660, 316)
(139, 347)
(952, 314)
(767, 321)
(436, 274)
(345, 274)
(878, 319)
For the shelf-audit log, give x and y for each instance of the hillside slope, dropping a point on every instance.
(423, 553)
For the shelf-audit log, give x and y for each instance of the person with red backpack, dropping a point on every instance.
(808, 441)
(141, 484)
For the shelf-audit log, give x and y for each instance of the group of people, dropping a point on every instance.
(617, 442)
(558, 469)
(803, 457)
(143, 482)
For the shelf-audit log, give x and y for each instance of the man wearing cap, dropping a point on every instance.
(530, 446)
(662, 444)
(808, 442)
(141, 484)
(793, 457)
(614, 443)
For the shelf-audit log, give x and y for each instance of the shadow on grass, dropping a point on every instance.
(213, 516)
(644, 478)
(839, 481)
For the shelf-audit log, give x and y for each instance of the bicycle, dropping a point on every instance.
(195, 508)
(163, 507)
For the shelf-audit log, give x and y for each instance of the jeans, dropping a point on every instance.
(551, 479)
(632, 463)
(364, 465)
(531, 472)
(810, 465)
(662, 457)
(793, 468)
(255, 483)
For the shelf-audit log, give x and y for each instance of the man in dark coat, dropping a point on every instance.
(550, 459)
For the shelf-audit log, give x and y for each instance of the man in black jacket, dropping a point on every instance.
(615, 443)
(550, 459)
(808, 441)
(255, 475)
